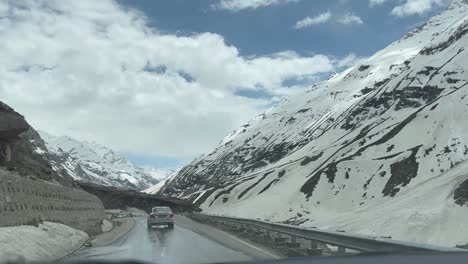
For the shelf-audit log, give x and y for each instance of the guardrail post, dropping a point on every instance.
(314, 250)
(313, 244)
(258, 234)
(279, 240)
(293, 243)
(267, 236)
(341, 250)
(245, 228)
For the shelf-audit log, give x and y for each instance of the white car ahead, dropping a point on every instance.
(161, 216)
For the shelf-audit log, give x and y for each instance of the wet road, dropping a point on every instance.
(161, 245)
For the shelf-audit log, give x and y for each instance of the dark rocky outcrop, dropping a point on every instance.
(23, 150)
(458, 34)
(460, 194)
(12, 124)
(401, 173)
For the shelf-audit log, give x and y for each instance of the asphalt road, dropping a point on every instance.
(188, 242)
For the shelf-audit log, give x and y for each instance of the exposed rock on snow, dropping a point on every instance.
(380, 148)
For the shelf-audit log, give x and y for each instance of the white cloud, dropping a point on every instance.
(350, 18)
(237, 5)
(88, 69)
(310, 21)
(419, 7)
(373, 3)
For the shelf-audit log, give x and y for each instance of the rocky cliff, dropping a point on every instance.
(22, 150)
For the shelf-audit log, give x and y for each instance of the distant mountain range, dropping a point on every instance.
(92, 162)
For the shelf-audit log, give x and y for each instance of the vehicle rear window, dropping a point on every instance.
(162, 210)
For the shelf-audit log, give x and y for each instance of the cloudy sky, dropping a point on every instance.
(164, 81)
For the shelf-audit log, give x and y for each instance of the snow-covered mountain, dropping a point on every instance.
(378, 149)
(91, 162)
(168, 176)
(159, 174)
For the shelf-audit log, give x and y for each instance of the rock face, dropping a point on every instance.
(23, 150)
(94, 163)
(11, 123)
(380, 148)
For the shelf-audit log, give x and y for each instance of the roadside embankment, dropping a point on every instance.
(46, 242)
(26, 201)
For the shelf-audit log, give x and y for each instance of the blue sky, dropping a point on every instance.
(163, 81)
(270, 29)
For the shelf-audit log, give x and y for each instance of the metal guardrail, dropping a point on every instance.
(340, 239)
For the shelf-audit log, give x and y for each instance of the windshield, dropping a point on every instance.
(215, 131)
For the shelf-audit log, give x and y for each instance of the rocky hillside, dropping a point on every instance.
(380, 148)
(91, 162)
(22, 150)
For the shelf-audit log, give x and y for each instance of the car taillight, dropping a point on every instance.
(171, 216)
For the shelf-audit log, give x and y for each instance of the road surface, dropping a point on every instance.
(189, 242)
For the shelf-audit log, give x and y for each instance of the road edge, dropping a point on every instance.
(210, 231)
(114, 234)
(123, 231)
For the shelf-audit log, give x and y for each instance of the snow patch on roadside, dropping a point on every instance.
(106, 226)
(135, 211)
(47, 242)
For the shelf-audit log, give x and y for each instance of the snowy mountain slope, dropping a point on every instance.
(91, 162)
(159, 174)
(168, 175)
(380, 148)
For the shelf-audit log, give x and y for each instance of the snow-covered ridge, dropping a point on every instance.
(160, 174)
(166, 176)
(380, 148)
(92, 162)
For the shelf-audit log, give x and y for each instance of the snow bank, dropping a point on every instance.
(135, 211)
(47, 242)
(106, 226)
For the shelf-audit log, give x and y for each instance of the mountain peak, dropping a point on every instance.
(92, 162)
